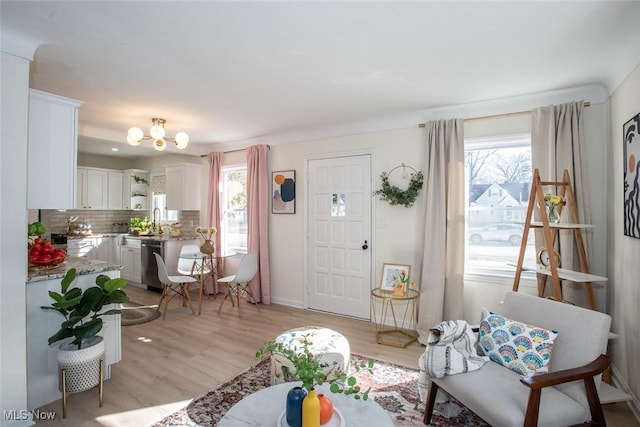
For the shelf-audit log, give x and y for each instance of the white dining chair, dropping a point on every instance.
(173, 286)
(192, 262)
(239, 284)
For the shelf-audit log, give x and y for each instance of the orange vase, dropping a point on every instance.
(326, 408)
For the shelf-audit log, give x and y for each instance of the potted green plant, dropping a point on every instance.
(309, 370)
(81, 353)
(140, 226)
(82, 310)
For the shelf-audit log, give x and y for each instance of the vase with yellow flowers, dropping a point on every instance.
(207, 233)
(552, 203)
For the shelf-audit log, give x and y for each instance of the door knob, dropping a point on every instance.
(365, 246)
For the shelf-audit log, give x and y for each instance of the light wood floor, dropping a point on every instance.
(167, 363)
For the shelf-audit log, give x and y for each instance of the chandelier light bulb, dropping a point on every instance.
(156, 132)
(160, 144)
(182, 139)
(135, 134)
(131, 140)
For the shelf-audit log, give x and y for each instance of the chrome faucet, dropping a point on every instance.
(154, 218)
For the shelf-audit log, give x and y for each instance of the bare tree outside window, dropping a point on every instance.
(499, 182)
(234, 206)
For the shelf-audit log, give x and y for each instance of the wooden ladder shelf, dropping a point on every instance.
(550, 233)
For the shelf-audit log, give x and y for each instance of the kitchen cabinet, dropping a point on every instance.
(106, 250)
(93, 188)
(115, 198)
(131, 260)
(52, 151)
(84, 246)
(183, 186)
(136, 189)
(102, 248)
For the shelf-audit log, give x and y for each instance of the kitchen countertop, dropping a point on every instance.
(83, 265)
(160, 237)
(131, 236)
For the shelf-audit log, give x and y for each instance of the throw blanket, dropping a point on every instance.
(450, 350)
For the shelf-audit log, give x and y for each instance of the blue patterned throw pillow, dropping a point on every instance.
(525, 349)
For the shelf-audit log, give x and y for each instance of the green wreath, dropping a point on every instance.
(396, 196)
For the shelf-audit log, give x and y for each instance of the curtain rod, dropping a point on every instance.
(233, 151)
(495, 116)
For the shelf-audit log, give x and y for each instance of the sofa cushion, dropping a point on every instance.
(523, 348)
(495, 394)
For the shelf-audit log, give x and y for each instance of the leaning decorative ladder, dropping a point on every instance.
(550, 233)
(607, 393)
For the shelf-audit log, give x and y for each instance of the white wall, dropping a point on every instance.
(394, 228)
(14, 73)
(623, 291)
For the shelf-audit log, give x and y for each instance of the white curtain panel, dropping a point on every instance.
(442, 281)
(557, 144)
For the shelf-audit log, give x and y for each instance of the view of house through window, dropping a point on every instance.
(233, 193)
(498, 177)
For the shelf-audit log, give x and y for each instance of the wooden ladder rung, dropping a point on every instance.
(556, 183)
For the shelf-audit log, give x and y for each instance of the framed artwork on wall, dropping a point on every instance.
(391, 273)
(631, 146)
(283, 192)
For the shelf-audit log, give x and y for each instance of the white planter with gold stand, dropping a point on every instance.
(80, 369)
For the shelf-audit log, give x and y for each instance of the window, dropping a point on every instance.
(233, 196)
(160, 202)
(498, 184)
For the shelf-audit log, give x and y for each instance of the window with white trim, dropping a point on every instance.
(233, 197)
(498, 183)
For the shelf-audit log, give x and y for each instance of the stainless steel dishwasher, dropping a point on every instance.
(149, 264)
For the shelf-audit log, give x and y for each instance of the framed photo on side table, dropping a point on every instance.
(392, 272)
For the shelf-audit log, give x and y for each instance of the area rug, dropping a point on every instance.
(393, 387)
(134, 313)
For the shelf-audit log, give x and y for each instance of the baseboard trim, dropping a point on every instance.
(619, 382)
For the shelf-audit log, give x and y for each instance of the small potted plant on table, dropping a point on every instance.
(304, 407)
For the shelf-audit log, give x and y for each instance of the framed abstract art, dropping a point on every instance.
(631, 148)
(283, 192)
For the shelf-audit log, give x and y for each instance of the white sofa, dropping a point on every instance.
(565, 396)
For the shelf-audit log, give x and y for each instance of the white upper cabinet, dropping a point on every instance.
(52, 151)
(115, 200)
(183, 186)
(93, 188)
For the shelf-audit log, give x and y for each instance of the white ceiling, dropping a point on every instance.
(234, 73)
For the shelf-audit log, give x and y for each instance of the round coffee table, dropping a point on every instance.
(265, 406)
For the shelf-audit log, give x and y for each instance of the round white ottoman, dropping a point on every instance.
(332, 347)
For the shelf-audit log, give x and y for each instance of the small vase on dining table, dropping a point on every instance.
(207, 247)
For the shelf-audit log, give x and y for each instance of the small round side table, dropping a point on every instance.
(395, 316)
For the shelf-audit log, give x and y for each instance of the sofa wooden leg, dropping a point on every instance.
(597, 415)
(431, 401)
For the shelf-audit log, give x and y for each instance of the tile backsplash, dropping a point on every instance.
(111, 221)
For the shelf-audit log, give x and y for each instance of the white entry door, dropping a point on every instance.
(339, 243)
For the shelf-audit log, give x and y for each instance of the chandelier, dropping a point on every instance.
(157, 135)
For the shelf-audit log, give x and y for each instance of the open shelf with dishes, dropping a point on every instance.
(136, 191)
